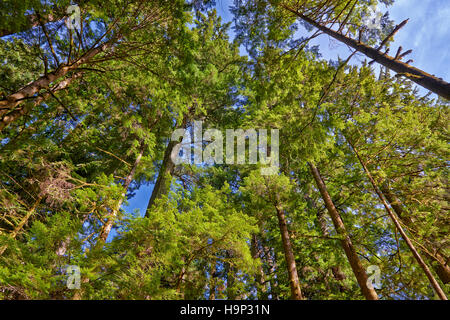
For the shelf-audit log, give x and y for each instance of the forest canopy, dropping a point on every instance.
(263, 171)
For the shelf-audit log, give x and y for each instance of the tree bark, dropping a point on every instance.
(260, 283)
(426, 80)
(296, 292)
(110, 222)
(25, 109)
(212, 282)
(167, 168)
(442, 269)
(358, 269)
(12, 101)
(405, 237)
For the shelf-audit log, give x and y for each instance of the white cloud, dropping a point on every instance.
(427, 33)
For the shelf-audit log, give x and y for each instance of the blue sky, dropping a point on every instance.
(427, 34)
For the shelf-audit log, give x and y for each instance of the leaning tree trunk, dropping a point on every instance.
(110, 221)
(335, 270)
(8, 104)
(442, 269)
(296, 292)
(416, 75)
(358, 269)
(397, 224)
(26, 108)
(167, 168)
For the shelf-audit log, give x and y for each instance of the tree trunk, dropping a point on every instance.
(426, 80)
(442, 269)
(260, 283)
(271, 267)
(335, 270)
(396, 204)
(25, 109)
(296, 292)
(110, 222)
(31, 22)
(212, 282)
(167, 168)
(358, 269)
(12, 101)
(405, 237)
(230, 271)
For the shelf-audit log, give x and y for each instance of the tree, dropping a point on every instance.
(87, 123)
(426, 80)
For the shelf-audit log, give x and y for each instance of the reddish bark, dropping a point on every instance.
(358, 269)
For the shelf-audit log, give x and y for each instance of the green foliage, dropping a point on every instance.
(74, 157)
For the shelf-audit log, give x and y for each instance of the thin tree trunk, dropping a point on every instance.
(22, 223)
(442, 269)
(405, 237)
(212, 282)
(25, 109)
(395, 204)
(416, 75)
(271, 266)
(296, 292)
(230, 276)
(358, 269)
(12, 101)
(260, 283)
(110, 222)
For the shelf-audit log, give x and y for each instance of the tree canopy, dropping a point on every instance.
(356, 209)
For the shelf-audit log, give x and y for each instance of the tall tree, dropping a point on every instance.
(422, 78)
(359, 271)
